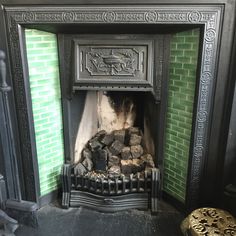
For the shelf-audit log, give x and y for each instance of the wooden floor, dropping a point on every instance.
(54, 221)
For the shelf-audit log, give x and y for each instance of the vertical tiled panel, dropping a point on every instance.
(46, 104)
(182, 81)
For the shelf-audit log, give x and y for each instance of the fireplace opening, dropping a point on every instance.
(115, 141)
(114, 116)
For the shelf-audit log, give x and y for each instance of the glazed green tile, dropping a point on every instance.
(182, 82)
(184, 46)
(46, 104)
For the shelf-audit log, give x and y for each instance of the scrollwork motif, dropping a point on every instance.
(112, 64)
(68, 16)
(109, 16)
(210, 35)
(194, 16)
(202, 116)
(28, 16)
(206, 78)
(172, 17)
(151, 16)
(130, 17)
(198, 152)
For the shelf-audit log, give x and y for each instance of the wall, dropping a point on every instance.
(46, 103)
(182, 81)
(230, 156)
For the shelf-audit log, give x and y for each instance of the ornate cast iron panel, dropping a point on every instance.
(208, 16)
(113, 63)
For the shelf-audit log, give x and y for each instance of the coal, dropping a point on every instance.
(136, 151)
(119, 135)
(138, 165)
(100, 134)
(88, 164)
(125, 153)
(114, 171)
(109, 154)
(126, 166)
(100, 160)
(80, 169)
(148, 159)
(132, 166)
(135, 139)
(114, 154)
(94, 144)
(113, 160)
(107, 139)
(116, 147)
(133, 130)
(86, 153)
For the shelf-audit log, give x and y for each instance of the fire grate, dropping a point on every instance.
(115, 168)
(107, 186)
(139, 191)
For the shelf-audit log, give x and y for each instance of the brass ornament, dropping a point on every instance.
(210, 222)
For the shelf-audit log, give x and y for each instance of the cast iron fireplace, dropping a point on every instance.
(135, 23)
(116, 76)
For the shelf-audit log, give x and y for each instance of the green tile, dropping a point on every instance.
(176, 64)
(190, 53)
(177, 53)
(183, 60)
(178, 39)
(191, 39)
(184, 46)
(181, 72)
(181, 91)
(45, 94)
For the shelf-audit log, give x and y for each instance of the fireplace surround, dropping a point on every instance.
(213, 60)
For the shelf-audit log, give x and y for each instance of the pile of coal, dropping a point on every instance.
(120, 152)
